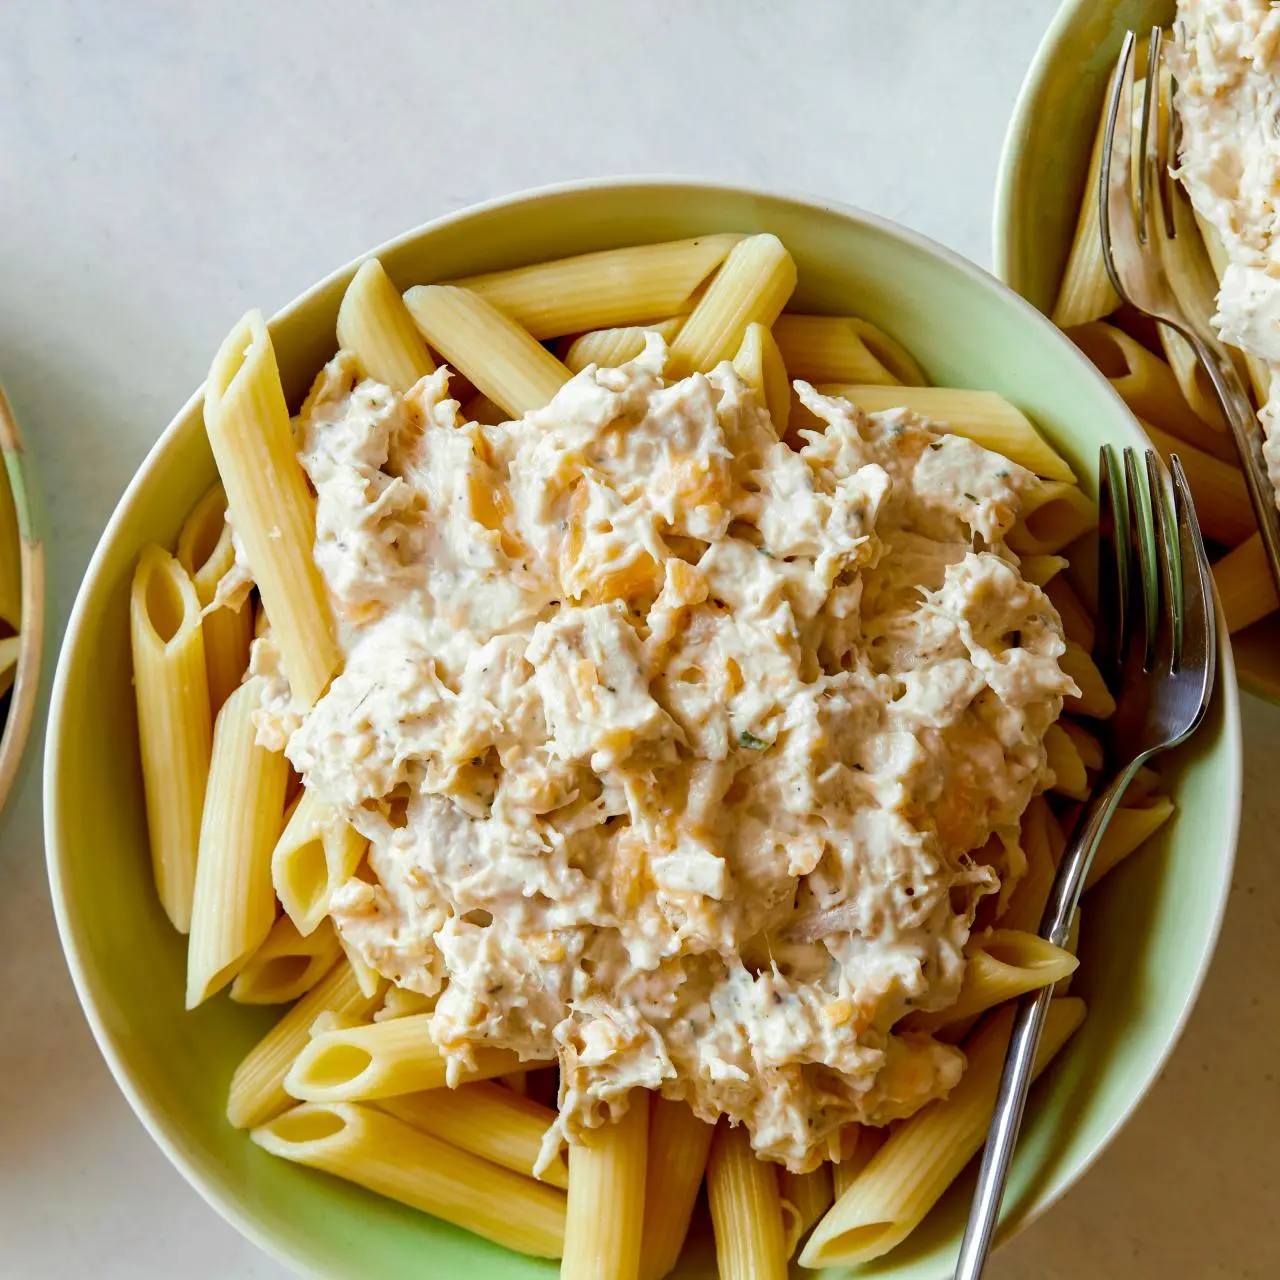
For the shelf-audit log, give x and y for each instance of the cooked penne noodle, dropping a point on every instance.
(611, 289)
(891, 353)
(10, 555)
(274, 515)
(855, 1155)
(1129, 827)
(759, 364)
(1041, 569)
(174, 729)
(984, 417)
(317, 851)
(1077, 623)
(1217, 488)
(607, 1171)
(753, 285)
(746, 1210)
(486, 1120)
(608, 348)
(367, 976)
(805, 1198)
(1244, 584)
(286, 965)
(827, 349)
(234, 906)
(1053, 516)
(385, 1155)
(679, 1144)
(481, 409)
(400, 1002)
(924, 1154)
(1001, 965)
(1027, 902)
(206, 553)
(257, 1087)
(1193, 382)
(1095, 698)
(1063, 986)
(1069, 776)
(492, 350)
(374, 323)
(1087, 746)
(381, 1060)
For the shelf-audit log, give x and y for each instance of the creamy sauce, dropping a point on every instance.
(673, 740)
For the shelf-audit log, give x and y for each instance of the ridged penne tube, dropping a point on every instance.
(287, 965)
(1077, 624)
(10, 555)
(367, 976)
(984, 417)
(1095, 698)
(1069, 776)
(753, 285)
(1027, 903)
(1244, 584)
(1042, 569)
(257, 1087)
(1053, 516)
(827, 349)
(1001, 964)
(1088, 748)
(891, 353)
(1063, 986)
(492, 350)
(10, 646)
(234, 905)
(613, 288)
(855, 1156)
(271, 508)
(607, 1171)
(922, 1157)
(1147, 385)
(746, 1210)
(381, 1060)
(608, 348)
(1086, 292)
(1217, 488)
(759, 364)
(481, 409)
(487, 1120)
(400, 1002)
(174, 728)
(388, 1157)
(318, 850)
(1197, 390)
(805, 1198)
(374, 323)
(1128, 828)
(205, 551)
(679, 1144)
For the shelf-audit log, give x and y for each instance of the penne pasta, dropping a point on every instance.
(1244, 584)
(1042, 569)
(366, 975)
(1077, 622)
(1218, 489)
(607, 1172)
(205, 551)
(492, 350)
(859, 1143)
(805, 1198)
(375, 325)
(1027, 902)
(1095, 698)
(1087, 746)
(984, 417)
(286, 965)
(381, 1060)
(679, 1144)
(1053, 516)
(400, 1002)
(1063, 986)
(317, 851)
(922, 1157)
(1130, 826)
(385, 1155)
(1001, 964)
(271, 508)
(487, 1120)
(904, 367)
(174, 729)
(753, 285)
(759, 364)
(746, 1210)
(613, 288)
(1193, 382)
(257, 1087)
(234, 906)
(827, 349)
(608, 348)
(1063, 757)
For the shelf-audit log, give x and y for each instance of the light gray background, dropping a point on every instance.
(164, 167)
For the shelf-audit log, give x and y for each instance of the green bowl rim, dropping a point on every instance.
(158, 1126)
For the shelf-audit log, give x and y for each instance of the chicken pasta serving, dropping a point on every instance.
(623, 720)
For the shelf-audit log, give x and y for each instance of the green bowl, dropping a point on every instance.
(1147, 935)
(1041, 184)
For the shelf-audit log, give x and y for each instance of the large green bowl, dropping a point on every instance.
(1041, 184)
(1147, 935)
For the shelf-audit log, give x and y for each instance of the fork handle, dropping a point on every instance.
(1246, 430)
(1028, 1024)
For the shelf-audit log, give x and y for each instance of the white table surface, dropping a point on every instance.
(159, 175)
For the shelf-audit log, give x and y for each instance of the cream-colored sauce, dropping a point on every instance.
(672, 740)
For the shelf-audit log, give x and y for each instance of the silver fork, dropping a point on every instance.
(1140, 234)
(1157, 650)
